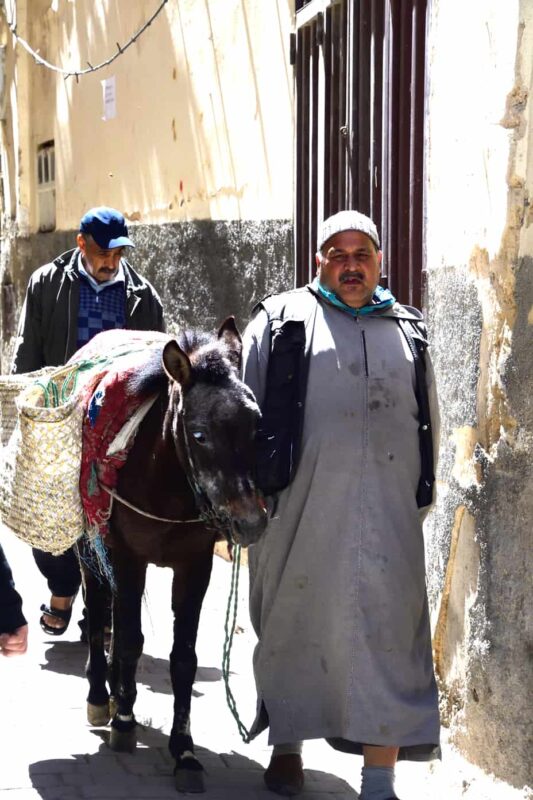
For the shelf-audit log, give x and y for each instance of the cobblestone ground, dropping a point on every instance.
(48, 751)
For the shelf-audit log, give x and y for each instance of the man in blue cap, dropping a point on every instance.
(84, 291)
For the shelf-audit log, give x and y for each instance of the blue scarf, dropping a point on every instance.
(381, 300)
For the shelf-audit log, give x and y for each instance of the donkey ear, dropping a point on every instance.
(176, 363)
(231, 337)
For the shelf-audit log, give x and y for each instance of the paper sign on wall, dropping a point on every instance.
(110, 98)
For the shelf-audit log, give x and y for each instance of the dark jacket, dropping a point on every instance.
(48, 327)
(11, 616)
(291, 318)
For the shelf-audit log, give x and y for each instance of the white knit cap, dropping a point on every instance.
(346, 221)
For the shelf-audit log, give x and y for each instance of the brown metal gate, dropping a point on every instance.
(360, 89)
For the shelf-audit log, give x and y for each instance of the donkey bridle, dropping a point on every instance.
(207, 513)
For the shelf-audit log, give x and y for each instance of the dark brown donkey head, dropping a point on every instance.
(212, 416)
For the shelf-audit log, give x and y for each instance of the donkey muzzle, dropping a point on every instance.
(248, 524)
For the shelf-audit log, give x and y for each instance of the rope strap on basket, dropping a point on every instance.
(54, 397)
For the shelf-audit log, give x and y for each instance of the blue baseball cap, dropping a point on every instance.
(107, 227)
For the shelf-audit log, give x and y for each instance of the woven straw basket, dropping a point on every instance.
(10, 388)
(39, 486)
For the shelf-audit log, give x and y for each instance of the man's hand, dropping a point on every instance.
(14, 644)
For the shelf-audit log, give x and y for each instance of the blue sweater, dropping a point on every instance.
(100, 309)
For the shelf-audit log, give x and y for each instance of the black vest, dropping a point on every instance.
(291, 318)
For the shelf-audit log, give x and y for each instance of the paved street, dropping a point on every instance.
(48, 750)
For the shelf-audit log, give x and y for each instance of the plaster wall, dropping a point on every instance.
(203, 126)
(480, 295)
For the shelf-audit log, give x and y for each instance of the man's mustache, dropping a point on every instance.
(360, 276)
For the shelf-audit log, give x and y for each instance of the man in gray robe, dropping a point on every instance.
(337, 584)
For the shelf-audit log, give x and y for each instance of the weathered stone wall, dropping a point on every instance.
(480, 296)
(206, 270)
(203, 270)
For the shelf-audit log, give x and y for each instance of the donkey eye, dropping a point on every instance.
(199, 437)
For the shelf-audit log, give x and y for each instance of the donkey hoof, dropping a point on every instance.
(122, 741)
(98, 716)
(189, 775)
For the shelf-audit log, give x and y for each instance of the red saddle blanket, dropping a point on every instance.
(109, 397)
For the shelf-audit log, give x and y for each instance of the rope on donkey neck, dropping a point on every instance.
(115, 496)
(229, 630)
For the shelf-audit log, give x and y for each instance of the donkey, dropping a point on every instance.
(188, 478)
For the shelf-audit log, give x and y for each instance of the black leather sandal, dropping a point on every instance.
(285, 775)
(57, 613)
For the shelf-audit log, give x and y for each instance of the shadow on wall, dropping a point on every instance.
(150, 144)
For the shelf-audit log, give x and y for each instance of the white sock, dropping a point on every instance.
(287, 748)
(377, 783)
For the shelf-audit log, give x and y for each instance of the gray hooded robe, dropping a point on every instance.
(337, 583)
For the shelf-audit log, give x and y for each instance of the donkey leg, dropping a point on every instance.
(126, 649)
(95, 594)
(188, 590)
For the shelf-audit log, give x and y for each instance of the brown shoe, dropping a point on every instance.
(285, 775)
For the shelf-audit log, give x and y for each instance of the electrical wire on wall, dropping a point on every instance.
(72, 73)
